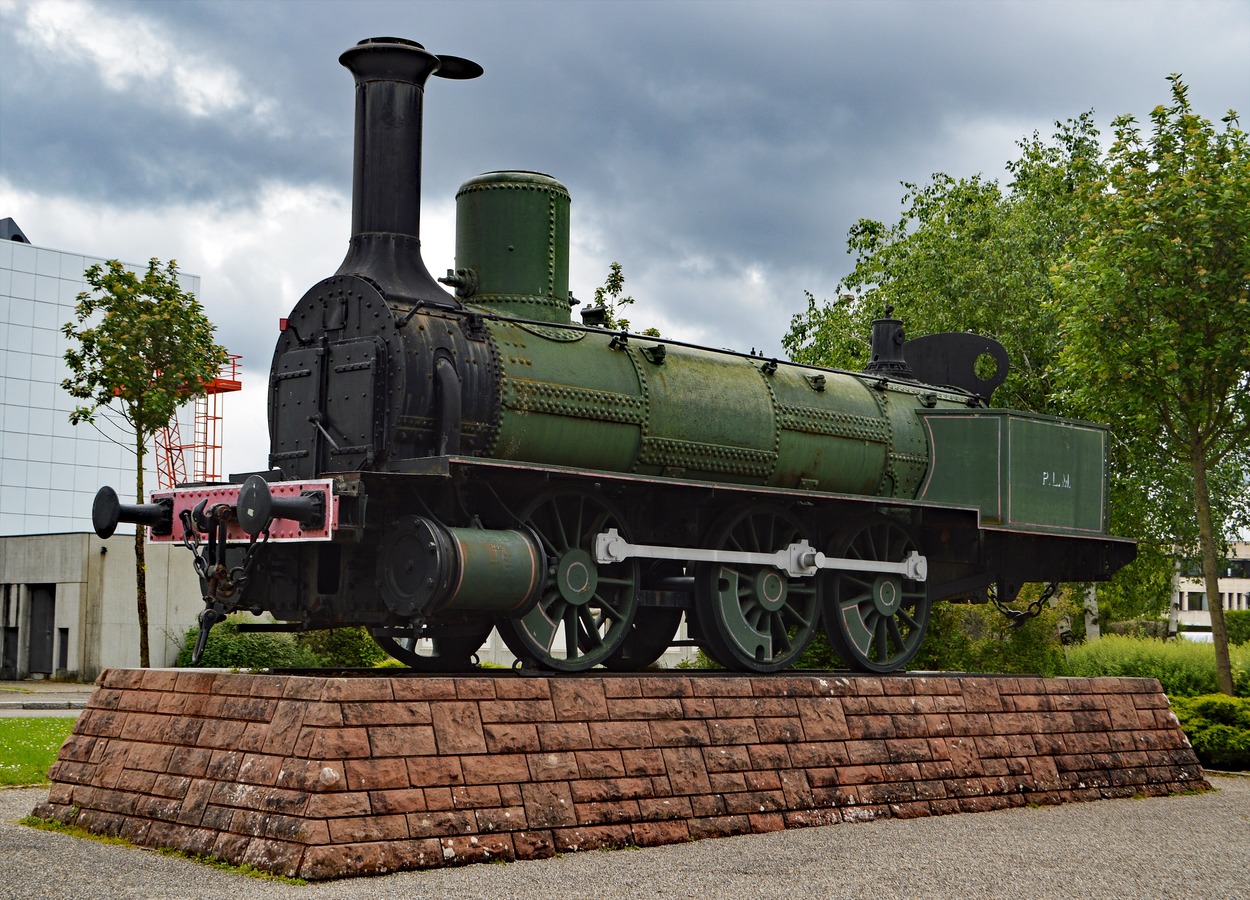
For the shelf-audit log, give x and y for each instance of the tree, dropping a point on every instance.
(145, 347)
(608, 297)
(966, 255)
(1154, 309)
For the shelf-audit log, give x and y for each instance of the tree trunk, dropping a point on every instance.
(1092, 630)
(141, 566)
(1210, 571)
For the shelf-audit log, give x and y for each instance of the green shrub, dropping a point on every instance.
(343, 648)
(228, 648)
(334, 648)
(1184, 668)
(965, 637)
(1139, 628)
(1237, 621)
(1218, 727)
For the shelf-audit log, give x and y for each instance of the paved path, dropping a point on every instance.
(23, 699)
(1176, 847)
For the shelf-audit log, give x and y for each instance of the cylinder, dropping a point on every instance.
(500, 571)
(425, 568)
(512, 244)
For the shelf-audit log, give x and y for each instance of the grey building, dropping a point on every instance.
(66, 597)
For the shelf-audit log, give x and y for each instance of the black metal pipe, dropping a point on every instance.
(385, 244)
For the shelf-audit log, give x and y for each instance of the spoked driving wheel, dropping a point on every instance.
(875, 621)
(586, 609)
(440, 649)
(755, 618)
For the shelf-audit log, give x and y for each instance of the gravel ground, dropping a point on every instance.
(1175, 847)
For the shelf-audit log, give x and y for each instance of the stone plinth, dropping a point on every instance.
(321, 777)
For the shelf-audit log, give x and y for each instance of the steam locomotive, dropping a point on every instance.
(447, 461)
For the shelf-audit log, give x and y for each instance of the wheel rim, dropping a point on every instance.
(755, 618)
(586, 609)
(875, 622)
(444, 653)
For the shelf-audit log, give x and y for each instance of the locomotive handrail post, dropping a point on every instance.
(797, 560)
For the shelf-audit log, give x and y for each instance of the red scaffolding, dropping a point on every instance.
(207, 429)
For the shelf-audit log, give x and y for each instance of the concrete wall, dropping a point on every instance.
(95, 620)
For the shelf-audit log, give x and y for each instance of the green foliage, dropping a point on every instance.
(335, 648)
(1218, 727)
(965, 637)
(1184, 668)
(1153, 305)
(228, 648)
(28, 748)
(609, 297)
(965, 255)
(142, 342)
(1238, 623)
(347, 648)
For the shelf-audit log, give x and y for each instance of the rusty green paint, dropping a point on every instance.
(512, 232)
(499, 571)
(1019, 469)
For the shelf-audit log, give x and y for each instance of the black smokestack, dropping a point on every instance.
(386, 178)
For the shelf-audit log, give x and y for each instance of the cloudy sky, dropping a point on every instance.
(718, 150)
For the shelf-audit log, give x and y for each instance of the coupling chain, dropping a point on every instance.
(1019, 616)
(222, 582)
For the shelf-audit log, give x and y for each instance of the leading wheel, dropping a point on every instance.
(447, 649)
(586, 609)
(875, 622)
(755, 618)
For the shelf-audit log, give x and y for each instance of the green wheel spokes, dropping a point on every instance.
(875, 623)
(586, 609)
(755, 618)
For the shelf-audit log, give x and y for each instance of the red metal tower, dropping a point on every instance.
(205, 447)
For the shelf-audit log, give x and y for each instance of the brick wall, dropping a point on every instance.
(323, 777)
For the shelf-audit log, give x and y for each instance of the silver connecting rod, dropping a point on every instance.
(797, 560)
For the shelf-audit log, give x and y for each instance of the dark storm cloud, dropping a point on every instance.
(699, 140)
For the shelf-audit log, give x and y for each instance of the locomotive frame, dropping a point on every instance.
(443, 464)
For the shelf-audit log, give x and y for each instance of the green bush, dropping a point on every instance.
(1237, 621)
(966, 637)
(1218, 727)
(1184, 668)
(229, 648)
(343, 648)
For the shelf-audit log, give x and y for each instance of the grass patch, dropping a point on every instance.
(211, 861)
(1183, 668)
(28, 747)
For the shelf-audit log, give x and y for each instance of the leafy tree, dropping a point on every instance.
(965, 255)
(145, 348)
(608, 296)
(1153, 308)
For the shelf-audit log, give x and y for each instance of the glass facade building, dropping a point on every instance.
(50, 469)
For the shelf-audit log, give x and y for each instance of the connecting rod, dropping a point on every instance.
(796, 560)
